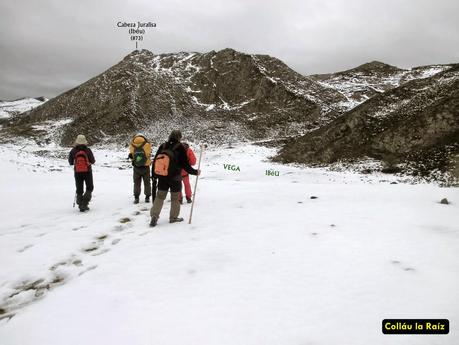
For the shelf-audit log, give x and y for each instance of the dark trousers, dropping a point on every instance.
(81, 179)
(141, 174)
(165, 184)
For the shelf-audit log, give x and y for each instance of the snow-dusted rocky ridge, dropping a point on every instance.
(363, 82)
(416, 124)
(218, 97)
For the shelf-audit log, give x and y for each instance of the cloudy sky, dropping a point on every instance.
(50, 46)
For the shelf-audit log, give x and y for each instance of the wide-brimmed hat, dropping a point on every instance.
(81, 140)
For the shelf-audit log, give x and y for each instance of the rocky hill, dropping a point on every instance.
(365, 81)
(218, 97)
(414, 127)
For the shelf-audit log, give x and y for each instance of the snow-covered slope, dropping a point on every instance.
(262, 262)
(8, 108)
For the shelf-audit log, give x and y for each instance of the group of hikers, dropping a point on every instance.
(169, 168)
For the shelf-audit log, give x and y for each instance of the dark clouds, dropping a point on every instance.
(49, 46)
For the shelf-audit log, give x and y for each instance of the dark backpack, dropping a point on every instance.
(139, 157)
(166, 162)
(81, 162)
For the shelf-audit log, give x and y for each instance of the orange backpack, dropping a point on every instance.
(165, 163)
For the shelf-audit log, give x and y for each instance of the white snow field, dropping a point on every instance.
(261, 264)
(18, 106)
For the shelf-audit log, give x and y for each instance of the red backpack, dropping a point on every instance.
(81, 162)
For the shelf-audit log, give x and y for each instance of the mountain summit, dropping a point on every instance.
(374, 67)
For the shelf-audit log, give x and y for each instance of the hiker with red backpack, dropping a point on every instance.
(167, 165)
(185, 176)
(81, 157)
(140, 154)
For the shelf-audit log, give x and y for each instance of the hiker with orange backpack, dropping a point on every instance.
(81, 157)
(140, 153)
(185, 176)
(167, 165)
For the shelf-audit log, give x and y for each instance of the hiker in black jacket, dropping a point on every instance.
(81, 157)
(168, 163)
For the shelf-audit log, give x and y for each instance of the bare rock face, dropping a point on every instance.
(416, 124)
(217, 96)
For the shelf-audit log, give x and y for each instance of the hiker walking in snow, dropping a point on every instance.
(140, 154)
(81, 157)
(169, 160)
(185, 176)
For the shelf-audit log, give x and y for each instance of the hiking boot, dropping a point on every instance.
(84, 208)
(147, 199)
(136, 200)
(176, 220)
(189, 201)
(153, 221)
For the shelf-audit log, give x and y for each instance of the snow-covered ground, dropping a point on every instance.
(7, 108)
(262, 262)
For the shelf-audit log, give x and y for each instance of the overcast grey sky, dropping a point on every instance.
(50, 46)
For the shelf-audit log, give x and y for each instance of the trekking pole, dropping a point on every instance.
(196, 184)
